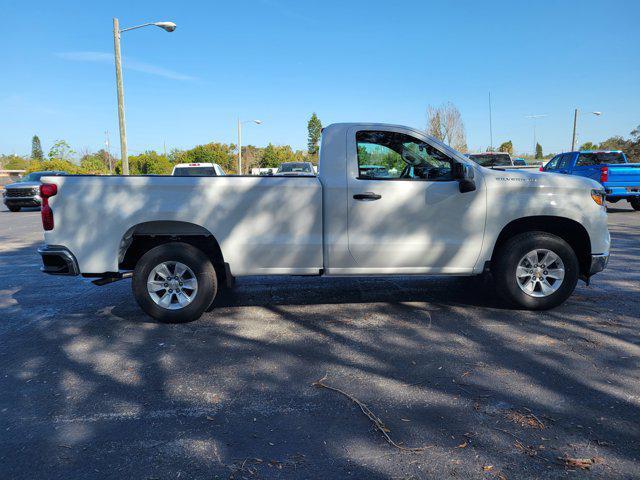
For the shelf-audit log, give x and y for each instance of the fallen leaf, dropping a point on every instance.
(405, 419)
(580, 463)
(486, 468)
(462, 445)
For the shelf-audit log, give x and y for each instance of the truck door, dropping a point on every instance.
(405, 210)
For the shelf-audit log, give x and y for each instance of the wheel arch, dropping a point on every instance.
(141, 238)
(569, 230)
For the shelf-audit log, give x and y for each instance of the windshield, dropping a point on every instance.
(194, 172)
(295, 167)
(491, 159)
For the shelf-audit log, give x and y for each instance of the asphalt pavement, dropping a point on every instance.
(92, 388)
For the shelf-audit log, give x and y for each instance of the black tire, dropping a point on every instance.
(198, 262)
(14, 209)
(509, 255)
(635, 203)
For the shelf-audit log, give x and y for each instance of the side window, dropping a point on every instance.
(552, 164)
(565, 161)
(586, 160)
(396, 156)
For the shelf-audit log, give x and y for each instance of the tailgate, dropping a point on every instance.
(623, 175)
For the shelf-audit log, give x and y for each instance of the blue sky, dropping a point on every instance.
(280, 60)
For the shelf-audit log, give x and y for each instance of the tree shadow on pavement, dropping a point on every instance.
(93, 388)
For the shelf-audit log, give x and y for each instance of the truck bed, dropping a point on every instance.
(624, 180)
(264, 225)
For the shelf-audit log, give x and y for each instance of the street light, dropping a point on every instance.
(257, 122)
(575, 122)
(167, 26)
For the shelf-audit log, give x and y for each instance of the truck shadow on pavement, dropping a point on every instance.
(93, 388)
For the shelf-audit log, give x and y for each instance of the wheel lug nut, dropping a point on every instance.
(170, 291)
(180, 283)
(166, 284)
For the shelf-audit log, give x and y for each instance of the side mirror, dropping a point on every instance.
(464, 174)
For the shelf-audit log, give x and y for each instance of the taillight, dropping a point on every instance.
(542, 169)
(47, 190)
(604, 174)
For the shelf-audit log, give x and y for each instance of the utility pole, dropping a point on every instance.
(575, 122)
(106, 146)
(167, 27)
(121, 121)
(239, 147)
(490, 126)
(257, 122)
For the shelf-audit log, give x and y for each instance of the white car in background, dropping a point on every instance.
(197, 170)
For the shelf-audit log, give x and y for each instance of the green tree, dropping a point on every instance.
(148, 163)
(93, 164)
(53, 164)
(219, 153)
(274, 155)
(614, 143)
(314, 127)
(36, 148)
(506, 147)
(539, 155)
(13, 162)
(60, 150)
(588, 146)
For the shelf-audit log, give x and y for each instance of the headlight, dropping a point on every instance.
(599, 196)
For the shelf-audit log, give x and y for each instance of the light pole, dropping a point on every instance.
(575, 123)
(257, 122)
(535, 140)
(167, 26)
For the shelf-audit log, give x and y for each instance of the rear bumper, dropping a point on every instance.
(58, 260)
(622, 192)
(598, 263)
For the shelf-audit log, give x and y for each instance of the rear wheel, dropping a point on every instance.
(536, 270)
(14, 208)
(635, 203)
(174, 282)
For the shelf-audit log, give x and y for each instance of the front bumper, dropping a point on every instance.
(34, 201)
(598, 263)
(58, 260)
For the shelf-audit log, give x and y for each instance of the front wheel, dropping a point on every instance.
(174, 282)
(635, 203)
(536, 270)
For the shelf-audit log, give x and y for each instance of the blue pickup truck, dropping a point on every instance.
(620, 179)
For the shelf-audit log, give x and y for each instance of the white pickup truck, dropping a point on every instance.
(428, 210)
